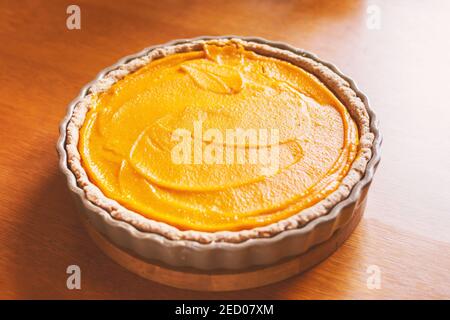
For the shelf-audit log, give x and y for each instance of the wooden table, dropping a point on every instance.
(403, 67)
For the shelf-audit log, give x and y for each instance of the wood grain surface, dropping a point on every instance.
(403, 67)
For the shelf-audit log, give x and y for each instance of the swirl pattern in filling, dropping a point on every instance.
(173, 141)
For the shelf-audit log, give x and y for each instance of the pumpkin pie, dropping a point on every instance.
(219, 140)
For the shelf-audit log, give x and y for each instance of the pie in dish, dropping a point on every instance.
(220, 140)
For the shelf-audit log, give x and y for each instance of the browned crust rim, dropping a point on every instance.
(332, 80)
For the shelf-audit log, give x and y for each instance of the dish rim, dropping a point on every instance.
(132, 231)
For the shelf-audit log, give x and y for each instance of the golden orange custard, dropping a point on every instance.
(133, 142)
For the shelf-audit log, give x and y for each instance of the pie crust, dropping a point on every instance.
(330, 79)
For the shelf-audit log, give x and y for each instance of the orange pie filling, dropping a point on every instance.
(219, 139)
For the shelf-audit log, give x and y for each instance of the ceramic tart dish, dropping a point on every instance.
(117, 145)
